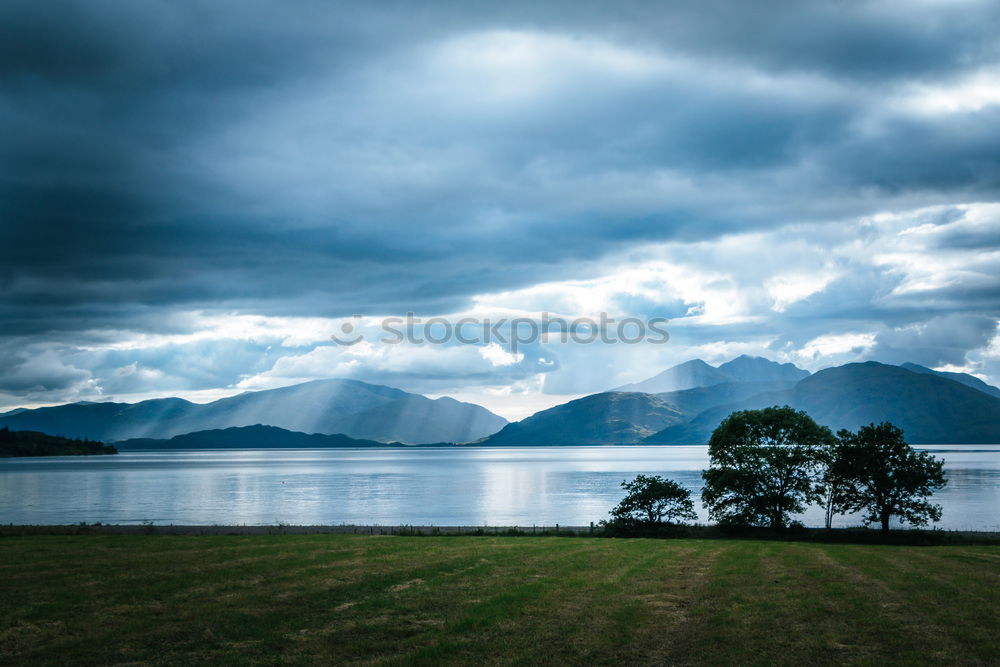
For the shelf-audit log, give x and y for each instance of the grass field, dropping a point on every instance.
(492, 600)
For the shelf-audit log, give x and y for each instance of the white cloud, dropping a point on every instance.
(790, 288)
(497, 356)
(969, 93)
(199, 326)
(993, 349)
(828, 347)
(134, 370)
(508, 68)
(414, 367)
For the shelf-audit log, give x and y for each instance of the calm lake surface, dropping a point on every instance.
(520, 486)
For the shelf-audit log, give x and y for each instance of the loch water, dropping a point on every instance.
(509, 486)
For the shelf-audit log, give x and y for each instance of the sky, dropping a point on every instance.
(194, 196)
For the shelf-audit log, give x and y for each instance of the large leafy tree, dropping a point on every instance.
(652, 499)
(765, 466)
(874, 471)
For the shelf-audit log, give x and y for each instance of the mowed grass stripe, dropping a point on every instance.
(780, 603)
(347, 599)
(946, 619)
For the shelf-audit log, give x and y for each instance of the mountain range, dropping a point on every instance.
(350, 407)
(929, 408)
(697, 373)
(932, 407)
(611, 418)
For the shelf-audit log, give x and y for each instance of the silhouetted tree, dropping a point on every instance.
(876, 472)
(652, 499)
(765, 465)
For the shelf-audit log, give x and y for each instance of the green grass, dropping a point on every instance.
(314, 599)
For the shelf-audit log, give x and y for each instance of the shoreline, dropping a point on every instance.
(279, 529)
(855, 535)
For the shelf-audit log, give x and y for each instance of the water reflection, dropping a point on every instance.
(503, 486)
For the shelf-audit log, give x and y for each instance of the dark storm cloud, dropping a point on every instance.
(324, 159)
(870, 41)
(979, 239)
(939, 341)
(955, 154)
(32, 370)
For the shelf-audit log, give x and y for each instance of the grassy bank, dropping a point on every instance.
(346, 598)
(917, 538)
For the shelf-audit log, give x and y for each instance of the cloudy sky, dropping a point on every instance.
(195, 196)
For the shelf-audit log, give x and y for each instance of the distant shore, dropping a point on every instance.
(373, 529)
(711, 532)
(16, 444)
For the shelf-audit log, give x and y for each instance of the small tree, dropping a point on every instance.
(652, 499)
(765, 465)
(876, 472)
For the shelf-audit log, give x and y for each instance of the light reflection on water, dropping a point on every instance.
(521, 486)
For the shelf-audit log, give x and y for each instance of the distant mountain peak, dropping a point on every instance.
(745, 368)
(698, 373)
(929, 407)
(694, 363)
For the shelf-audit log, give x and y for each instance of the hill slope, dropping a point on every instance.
(745, 368)
(611, 418)
(417, 419)
(248, 437)
(357, 409)
(962, 378)
(692, 402)
(33, 443)
(930, 409)
(690, 374)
